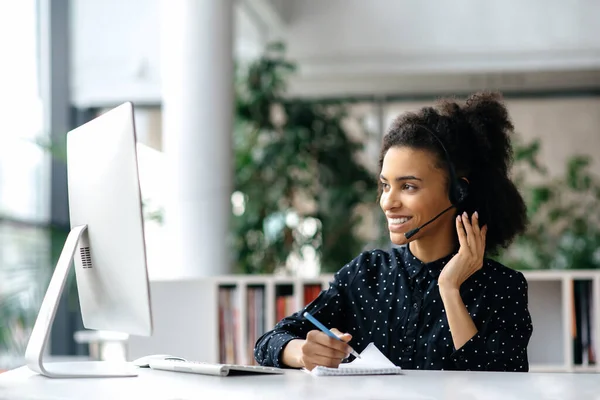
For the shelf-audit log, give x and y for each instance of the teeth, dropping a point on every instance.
(398, 221)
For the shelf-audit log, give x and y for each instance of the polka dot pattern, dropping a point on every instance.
(392, 299)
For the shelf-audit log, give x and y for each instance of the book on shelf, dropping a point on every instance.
(286, 303)
(284, 306)
(311, 292)
(256, 318)
(228, 324)
(583, 325)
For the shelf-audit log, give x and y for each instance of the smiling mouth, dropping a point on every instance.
(398, 223)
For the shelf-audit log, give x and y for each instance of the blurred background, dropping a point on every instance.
(259, 124)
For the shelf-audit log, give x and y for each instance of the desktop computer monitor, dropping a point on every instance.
(105, 244)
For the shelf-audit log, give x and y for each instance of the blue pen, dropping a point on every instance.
(327, 331)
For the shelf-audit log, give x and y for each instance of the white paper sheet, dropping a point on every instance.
(371, 357)
(372, 362)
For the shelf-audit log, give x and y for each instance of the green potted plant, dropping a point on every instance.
(564, 213)
(297, 183)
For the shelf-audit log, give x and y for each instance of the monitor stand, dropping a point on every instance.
(34, 354)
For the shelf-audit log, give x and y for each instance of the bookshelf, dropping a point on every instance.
(211, 319)
(219, 319)
(557, 302)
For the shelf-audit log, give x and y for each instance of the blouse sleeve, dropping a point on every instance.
(501, 345)
(328, 308)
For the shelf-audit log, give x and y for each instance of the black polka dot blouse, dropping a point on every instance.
(392, 299)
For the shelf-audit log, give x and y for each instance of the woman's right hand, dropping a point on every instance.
(320, 349)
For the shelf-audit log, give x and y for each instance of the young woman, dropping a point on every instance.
(436, 301)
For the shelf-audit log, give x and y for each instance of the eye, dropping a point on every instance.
(409, 187)
(385, 186)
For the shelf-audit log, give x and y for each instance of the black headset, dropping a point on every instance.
(459, 188)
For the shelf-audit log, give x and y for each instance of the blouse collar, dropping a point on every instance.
(414, 266)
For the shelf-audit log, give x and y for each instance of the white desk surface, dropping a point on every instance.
(21, 383)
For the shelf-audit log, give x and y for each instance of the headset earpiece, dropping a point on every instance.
(459, 192)
(459, 188)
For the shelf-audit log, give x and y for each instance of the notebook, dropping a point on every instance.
(372, 362)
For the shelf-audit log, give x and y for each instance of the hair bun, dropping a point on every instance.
(491, 125)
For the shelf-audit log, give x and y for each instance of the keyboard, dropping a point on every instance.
(204, 368)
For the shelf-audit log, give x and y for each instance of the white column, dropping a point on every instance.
(197, 104)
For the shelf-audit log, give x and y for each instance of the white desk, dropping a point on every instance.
(22, 384)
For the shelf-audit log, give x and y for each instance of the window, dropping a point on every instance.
(24, 182)
(24, 168)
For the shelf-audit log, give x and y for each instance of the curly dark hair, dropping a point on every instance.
(476, 133)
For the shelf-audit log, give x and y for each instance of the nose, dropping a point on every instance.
(390, 200)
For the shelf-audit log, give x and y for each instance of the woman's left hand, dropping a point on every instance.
(469, 258)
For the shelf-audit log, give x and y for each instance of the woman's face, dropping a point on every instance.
(414, 191)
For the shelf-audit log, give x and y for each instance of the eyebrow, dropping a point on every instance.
(402, 178)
